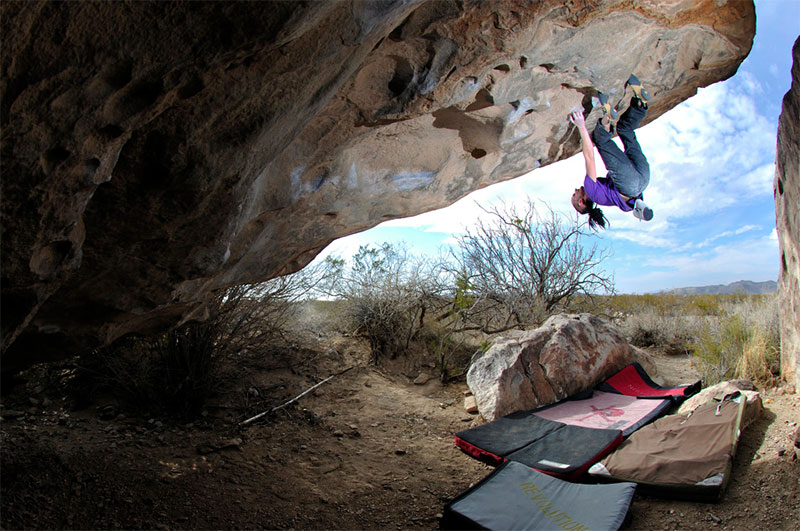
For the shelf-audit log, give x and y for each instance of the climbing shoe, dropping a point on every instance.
(638, 90)
(642, 211)
(608, 111)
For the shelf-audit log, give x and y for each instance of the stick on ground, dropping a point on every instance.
(251, 419)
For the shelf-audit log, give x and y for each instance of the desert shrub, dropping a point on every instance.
(450, 348)
(650, 327)
(730, 336)
(174, 372)
(511, 271)
(718, 347)
(758, 312)
(743, 342)
(670, 304)
(171, 373)
(386, 295)
(706, 305)
(185, 357)
(760, 359)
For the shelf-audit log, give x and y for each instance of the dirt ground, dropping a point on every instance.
(368, 449)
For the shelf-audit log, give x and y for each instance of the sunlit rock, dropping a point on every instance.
(153, 152)
(787, 215)
(532, 368)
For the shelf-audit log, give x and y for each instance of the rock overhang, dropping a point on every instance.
(153, 153)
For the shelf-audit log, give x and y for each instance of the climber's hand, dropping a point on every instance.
(577, 118)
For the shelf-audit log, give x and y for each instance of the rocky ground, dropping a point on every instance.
(368, 449)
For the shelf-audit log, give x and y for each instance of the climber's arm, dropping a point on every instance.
(586, 144)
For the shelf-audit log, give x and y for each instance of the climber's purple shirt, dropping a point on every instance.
(603, 193)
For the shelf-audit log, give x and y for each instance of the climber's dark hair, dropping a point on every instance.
(596, 217)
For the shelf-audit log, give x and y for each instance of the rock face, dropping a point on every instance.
(153, 152)
(566, 355)
(787, 219)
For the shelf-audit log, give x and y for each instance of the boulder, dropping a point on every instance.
(717, 392)
(527, 369)
(155, 152)
(787, 218)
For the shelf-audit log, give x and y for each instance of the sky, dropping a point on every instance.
(712, 167)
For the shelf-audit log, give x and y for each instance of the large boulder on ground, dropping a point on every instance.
(527, 369)
(153, 152)
(787, 216)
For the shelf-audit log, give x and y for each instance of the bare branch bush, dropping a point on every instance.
(386, 295)
(519, 266)
(451, 339)
(257, 317)
(175, 371)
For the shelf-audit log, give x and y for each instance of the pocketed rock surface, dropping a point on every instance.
(156, 151)
(367, 450)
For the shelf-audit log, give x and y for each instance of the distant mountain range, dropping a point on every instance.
(742, 286)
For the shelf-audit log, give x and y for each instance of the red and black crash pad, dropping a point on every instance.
(555, 448)
(634, 381)
(514, 496)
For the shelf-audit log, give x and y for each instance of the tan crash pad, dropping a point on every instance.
(689, 450)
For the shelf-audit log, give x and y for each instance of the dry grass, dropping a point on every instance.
(746, 339)
(760, 358)
(729, 336)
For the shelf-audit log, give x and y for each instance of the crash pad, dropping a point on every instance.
(633, 380)
(687, 456)
(514, 496)
(607, 411)
(552, 447)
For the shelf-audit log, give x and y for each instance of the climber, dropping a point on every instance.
(628, 171)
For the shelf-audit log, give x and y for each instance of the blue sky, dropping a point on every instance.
(712, 165)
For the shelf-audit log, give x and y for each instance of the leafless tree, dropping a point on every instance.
(518, 266)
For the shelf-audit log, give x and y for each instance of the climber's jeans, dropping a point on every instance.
(628, 170)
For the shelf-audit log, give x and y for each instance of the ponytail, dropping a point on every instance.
(596, 217)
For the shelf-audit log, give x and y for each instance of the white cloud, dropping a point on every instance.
(451, 241)
(746, 228)
(749, 259)
(345, 247)
(643, 238)
(760, 180)
(741, 230)
(750, 82)
(710, 152)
